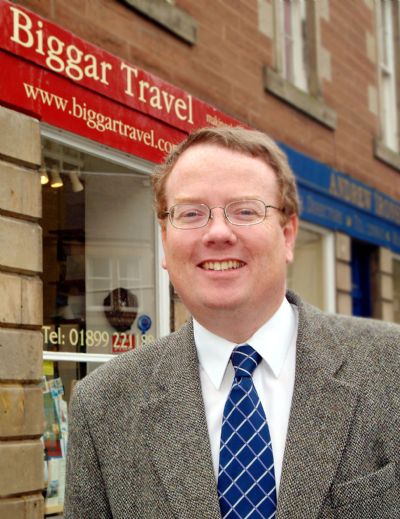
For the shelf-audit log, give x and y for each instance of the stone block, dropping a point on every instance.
(21, 467)
(344, 304)
(10, 302)
(387, 312)
(371, 46)
(386, 286)
(373, 102)
(16, 238)
(24, 507)
(20, 190)
(323, 8)
(23, 300)
(32, 301)
(21, 354)
(21, 410)
(385, 260)
(343, 247)
(325, 64)
(265, 18)
(19, 136)
(343, 276)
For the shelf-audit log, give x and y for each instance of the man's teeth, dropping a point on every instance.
(222, 265)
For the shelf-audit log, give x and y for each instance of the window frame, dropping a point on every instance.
(389, 119)
(387, 148)
(310, 101)
(162, 294)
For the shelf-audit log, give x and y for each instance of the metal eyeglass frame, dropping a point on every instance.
(169, 213)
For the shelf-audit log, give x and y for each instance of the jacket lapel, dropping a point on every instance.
(176, 431)
(321, 413)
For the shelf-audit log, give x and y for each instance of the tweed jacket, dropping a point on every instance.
(139, 446)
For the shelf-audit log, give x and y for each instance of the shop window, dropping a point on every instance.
(99, 280)
(396, 289)
(295, 77)
(311, 274)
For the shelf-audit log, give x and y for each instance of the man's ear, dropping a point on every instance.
(290, 229)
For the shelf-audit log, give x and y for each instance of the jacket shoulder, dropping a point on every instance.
(354, 337)
(131, 372)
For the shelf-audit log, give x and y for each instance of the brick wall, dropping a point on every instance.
(21, 402)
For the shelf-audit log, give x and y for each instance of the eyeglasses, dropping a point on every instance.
(242, 212)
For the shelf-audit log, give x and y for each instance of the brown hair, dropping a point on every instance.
(249, 142)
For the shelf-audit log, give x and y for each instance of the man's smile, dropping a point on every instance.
(221, 265)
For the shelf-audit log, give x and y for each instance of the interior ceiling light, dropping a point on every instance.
(44, 177)
(75, 182)
(55, 177)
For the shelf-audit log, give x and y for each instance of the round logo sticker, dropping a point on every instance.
(144, 323)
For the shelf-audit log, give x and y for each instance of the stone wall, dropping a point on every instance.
(21, 401)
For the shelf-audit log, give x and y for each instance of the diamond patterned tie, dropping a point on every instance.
(246, 478)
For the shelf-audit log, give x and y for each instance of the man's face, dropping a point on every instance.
(222, 267)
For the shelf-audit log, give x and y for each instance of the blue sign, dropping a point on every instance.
(336, 201)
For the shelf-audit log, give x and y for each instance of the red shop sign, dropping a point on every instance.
(66, 105)
(27, 35)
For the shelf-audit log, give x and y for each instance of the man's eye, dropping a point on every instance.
(190, 214)
(244, 212)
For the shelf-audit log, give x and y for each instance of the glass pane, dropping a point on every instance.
(99, 261)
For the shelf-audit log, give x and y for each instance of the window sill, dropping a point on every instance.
(168, 16)
(315, 108)
(386, 155)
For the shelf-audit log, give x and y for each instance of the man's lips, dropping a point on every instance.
(229, 264)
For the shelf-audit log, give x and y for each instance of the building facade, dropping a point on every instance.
(92, 95)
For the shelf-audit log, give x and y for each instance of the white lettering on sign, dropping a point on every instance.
(157, 98)
(64, 54)
(59, 56)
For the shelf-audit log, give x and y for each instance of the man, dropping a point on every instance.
(259, 407)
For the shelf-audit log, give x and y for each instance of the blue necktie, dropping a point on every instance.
(246, 478)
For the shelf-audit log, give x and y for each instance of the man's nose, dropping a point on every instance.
(218, 228)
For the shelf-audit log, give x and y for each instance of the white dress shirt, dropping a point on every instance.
(273, 378)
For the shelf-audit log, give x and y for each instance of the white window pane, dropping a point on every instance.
(293, 33)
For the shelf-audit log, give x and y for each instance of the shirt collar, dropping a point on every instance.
(272, 341)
